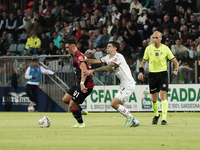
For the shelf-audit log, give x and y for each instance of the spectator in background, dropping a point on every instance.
(20, 24)
(87, 16)
(57, 39)
(109, 26)
(167, 23)
(89, 26)
(142, 21)
(96, 38)
(134, 15)
(14, 9)
(62, 50)
(159, 8)
(5, 42)
(116, 38)
(168, 42)
(135, 4)
(185, 36)
(178, 49)
(115, 14)
(57, 28)
(49, 21)
(186, 69)
(78, 32)
(131, 34)
(95, 18)
(3, 22)
(45, 40)
(107, 17)
(194, 21)
(187, 17)
(37, 28)
(40, 19)
(46, 8)
(77, 8)
(55, 9)
(52, 48)
(183, 22)
(125, 14)
(116, 27)
(176, 23)
(110, 6)
(66, 31)
(181, 12)
(197, 41)
(91, 51)
(175, 34)
(85, 9)
(194, 35)
(33, 43)
(141, 51)
(96, 6)
(103, 42)
(125, 50)
(119, 5)
(25, 53)
(152, 21)
(11, 24)
(63, 17)
(193, 52)
(169, 7)
(165, 35)
(80, 47)
(98, 54)
(84, 38)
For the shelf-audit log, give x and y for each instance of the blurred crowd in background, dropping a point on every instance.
(44, 26)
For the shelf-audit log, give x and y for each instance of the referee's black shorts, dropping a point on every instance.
(158, 81)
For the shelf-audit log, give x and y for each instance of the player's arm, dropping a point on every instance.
(45, 71)
(89, 61)
(102, 69)
(83, 76)
(27, 76)
(141, 70)
(176, 66)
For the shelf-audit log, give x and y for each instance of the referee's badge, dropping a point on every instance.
(164, 85)
(156, 54)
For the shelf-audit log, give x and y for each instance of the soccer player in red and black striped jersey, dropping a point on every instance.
(84, 86)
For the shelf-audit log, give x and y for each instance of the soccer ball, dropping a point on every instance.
(44, 122)
(31, 109)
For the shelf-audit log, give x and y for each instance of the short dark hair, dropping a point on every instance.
(62, 42)
(34, 60)
(71, 41)
(115, 44)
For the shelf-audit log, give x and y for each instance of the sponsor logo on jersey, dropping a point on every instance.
(156, 54)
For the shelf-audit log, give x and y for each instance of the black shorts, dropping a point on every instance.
(77, 95)
(158, 81)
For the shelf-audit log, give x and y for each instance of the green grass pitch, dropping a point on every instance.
(104, 131)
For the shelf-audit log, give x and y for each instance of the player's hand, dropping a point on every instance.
(175, 73)
(55, 75)
(140, 75)
(33, 77)
(83, 88)
(88, 72)
(80, 58)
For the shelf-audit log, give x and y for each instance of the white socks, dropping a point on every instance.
(124, 111)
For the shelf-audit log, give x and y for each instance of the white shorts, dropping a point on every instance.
(125, 92)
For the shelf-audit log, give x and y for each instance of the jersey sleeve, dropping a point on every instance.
(103, 59)
(76, 60)
(146, 55)
(170, 55)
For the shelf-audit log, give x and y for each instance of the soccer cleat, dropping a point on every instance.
(32, 104)
(136, 123)
(164, 122)
(84, 112)
(79, 125)
(129, 122)
(155, 120)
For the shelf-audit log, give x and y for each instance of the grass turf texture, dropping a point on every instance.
(104, 131)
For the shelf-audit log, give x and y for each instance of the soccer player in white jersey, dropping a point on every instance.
(116, 62)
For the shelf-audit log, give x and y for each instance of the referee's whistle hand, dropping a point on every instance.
(140, 76)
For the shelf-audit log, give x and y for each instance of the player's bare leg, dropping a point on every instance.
(154, 97)
(75, 110)
(163, 97)
(117, 105)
